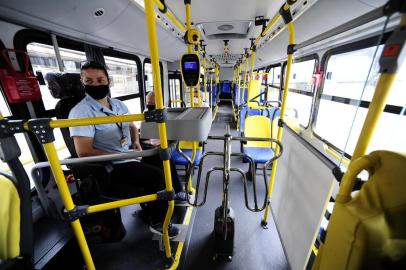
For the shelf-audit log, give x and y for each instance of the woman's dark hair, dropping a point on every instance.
(94, 65)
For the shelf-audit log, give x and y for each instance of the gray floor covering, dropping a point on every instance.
(255, 247)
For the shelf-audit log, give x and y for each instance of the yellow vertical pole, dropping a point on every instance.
(211, 90)
(199, 98)
(291, 29)
(153, 47)
(375, 111)
(245, 86)
(252, 65)
(190, 50)
(204, 79)
(63, 188)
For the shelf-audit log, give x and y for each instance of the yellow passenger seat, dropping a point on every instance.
(254, 89)
(10, 219)
(369, 231)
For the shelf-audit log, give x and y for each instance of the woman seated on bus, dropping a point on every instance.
(104, 139)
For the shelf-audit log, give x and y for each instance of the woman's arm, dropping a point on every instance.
(135, 138)
(84, 147)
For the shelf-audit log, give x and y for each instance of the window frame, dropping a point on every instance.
(174, 76)
(127, 56)
(349, 47)
(312, 56)
(268, 68)
(148, 61)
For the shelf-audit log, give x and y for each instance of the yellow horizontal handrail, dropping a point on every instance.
(121, 203)
(171, 16)
(63, 123)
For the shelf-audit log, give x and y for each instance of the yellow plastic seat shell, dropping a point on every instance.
(9, 219)
(259, 127)
(254, 89)
(369, 231)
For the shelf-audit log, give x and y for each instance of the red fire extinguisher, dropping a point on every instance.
(19, 86)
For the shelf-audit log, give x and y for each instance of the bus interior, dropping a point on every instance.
(284, 120)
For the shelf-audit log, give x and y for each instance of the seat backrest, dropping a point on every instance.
(10, 219)
(189, 145)
(259, 127)
(254, 89)
(68, 88)
(369, 231)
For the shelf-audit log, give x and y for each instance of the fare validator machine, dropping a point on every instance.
(190, 67)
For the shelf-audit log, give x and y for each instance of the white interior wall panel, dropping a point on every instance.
(302, 188)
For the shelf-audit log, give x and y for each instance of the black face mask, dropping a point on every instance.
(151, 107)
(98, 91)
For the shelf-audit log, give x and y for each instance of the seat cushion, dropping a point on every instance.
(259, 154)
(179, 160)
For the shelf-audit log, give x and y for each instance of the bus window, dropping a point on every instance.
(342, 92)
(134, 105)
(148, 78)
(301, 89)
(149, 81)
(175, 92)
(273, 82)
(123, 76)
(43, 60)
(4, 109)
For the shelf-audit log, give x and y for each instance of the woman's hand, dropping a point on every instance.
(137, 146)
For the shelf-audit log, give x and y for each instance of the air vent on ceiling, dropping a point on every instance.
(225, 29)
(98, 12)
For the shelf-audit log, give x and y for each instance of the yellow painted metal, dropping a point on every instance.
(179, 249)
(121, 203)
(350, 176)
(291, 29)
(63, 188)
(246, 72)
(63, 123)
(211, 90)
(171, 16)
(204, 79)
(336, 155)
(271, 23)
(153, 47)
(374, 112)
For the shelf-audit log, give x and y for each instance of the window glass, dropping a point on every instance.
(342, 93)
(133, 105)
(174, 88)
(277, 76)
(301, 90)
(43, 60)
(123, 76)
(149, 80)
(273, 83)
(4, 109)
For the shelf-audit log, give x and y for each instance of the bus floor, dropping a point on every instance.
(254, 247)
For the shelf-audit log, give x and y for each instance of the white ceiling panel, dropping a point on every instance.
(123, 24)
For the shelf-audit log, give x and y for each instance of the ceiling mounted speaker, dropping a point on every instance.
(98, 12)
(225, 27)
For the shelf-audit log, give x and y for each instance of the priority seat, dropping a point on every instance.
(259, 127)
